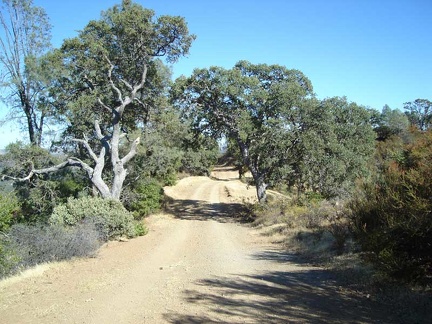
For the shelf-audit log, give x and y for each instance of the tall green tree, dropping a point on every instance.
(112, 82)
(419, 113)
(335, 146)
(254, 105)
(24, 39)
(390, 122)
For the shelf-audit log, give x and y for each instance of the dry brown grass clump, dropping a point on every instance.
(316, 229)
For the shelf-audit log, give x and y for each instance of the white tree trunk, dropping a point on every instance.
(110, 145)
(259, 177)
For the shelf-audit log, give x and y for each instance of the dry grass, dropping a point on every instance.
(319, 234)
(316, 230)
(35, 271)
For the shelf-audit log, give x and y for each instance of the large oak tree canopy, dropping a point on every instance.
(282, 132)
(255, 105)
(111, 83)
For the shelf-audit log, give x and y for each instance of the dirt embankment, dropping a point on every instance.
(197, 265)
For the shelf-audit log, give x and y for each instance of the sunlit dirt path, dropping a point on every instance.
(198, 264)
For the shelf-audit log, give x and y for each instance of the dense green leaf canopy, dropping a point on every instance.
(254, 104)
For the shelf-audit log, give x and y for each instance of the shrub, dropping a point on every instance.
(199, 162)
(9, 210)
(140, 229)
(145, 198)
(9, 259)
(315, 228)
(392, 219)
(28, 245)
(108, 216)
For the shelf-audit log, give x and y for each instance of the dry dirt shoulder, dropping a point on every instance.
(197, 266)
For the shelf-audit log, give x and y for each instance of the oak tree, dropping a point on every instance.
(419, 113)
(111, 83)
(254, 105)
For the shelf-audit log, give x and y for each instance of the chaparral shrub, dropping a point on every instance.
(27, 245)
(109, 216)
(145, 198)
(392, 217)
(9, 210)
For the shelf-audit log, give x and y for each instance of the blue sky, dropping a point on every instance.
(374, 52)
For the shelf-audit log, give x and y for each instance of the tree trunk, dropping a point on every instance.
(119, 178)
(261, 187)
(258, 176)
(29, 117)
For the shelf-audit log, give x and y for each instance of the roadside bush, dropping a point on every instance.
(109, 216)
(313, 227)
(392, 218)
(28, 245)
(9, 259)
(140, 229)
(145, 198)
(39, 196)
(9, 210)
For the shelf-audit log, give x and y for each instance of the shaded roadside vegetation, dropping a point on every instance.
(378, 240)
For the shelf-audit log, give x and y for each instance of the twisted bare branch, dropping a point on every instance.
(132, 151)
(70, 162)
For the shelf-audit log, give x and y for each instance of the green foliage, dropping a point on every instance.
(25, 36)
(419, 113)
(38, 196)
(392, 217)
(159, 154)
(157, 161)
(9, 259)
(109, 216)
(9, 211)
(200, 154)
(140, 229)
(336, 145)
(144, 198)
(389, 123)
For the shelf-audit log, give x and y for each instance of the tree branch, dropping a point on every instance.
(141, 84)
(88, 148)
(105, 106)
(132, 151)
(104, 139)
(117, 90)
(70, 162)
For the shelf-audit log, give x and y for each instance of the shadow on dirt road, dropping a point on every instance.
(204, 211)
(307, 296)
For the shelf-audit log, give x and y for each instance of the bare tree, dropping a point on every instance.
(24, 38)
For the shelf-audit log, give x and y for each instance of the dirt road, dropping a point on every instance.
(197, 265)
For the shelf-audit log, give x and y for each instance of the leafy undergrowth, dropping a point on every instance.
(319, 232)
(75, 229)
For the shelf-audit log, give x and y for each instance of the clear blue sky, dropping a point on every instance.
(374, 52)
